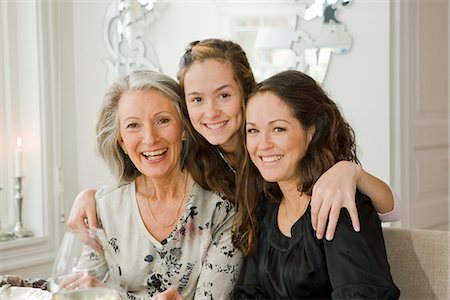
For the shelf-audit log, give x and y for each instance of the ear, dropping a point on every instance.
(183, 135)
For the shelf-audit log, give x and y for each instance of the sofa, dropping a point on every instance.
(419, 261)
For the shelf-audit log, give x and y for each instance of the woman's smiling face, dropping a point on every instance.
(213, 99)
(276, 140)
(150, 132)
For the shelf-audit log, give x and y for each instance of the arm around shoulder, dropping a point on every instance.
(357, 262)
(83, 216)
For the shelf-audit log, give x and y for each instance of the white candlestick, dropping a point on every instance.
(18, 158)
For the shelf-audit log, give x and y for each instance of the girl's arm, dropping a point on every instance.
(83, 216)
(357, 262)
(336, 189)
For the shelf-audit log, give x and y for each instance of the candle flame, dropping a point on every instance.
(19, 142)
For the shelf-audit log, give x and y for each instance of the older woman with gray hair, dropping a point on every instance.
(165, 235)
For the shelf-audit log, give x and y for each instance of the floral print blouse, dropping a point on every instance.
(197, 258)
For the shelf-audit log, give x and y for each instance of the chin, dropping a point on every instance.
(215, 141)
(270, 178)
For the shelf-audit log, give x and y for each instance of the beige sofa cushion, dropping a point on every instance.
(419, 261)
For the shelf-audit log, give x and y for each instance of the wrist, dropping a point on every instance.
(359, 172)
(352, 169)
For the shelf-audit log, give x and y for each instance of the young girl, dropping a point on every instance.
(216, 78)
(294, 134)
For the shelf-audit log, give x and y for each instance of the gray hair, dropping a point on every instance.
(108, 134)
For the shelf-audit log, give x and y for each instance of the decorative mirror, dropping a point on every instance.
(276, 36)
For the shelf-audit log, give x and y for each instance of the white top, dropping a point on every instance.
(197, 257)
(395, 214)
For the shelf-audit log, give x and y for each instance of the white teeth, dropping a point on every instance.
(154, 155)
(216, 125)
(271, 158)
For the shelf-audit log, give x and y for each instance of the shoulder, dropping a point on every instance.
(370, 224)
(211, 206)
(363, 204)
(366, 210)
(113, 193)
(212, 200)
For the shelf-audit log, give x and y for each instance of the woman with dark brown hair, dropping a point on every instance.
(294, 133)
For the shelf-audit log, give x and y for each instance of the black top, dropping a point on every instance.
(352, 265)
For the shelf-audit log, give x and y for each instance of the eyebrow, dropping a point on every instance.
(156, 114)
(224, 86)
(164, 111)
(195, 93)
(271, 122)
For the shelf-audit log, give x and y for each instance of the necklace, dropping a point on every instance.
(301, 214)
(178, 210)
(223, 157)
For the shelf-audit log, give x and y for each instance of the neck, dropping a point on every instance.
(232, 150)
(230, 159)
(292, 197)
(168, 188)
(289, 189)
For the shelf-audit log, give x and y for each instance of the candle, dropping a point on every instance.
(18, 160)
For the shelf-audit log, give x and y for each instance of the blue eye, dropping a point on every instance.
(279, 129)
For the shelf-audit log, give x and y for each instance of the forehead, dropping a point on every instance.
(268, 105)
(149, 101)
(209, 72)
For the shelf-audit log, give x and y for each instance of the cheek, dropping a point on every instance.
(128, 143)
(193, 113)
(123, 139)
(236, 110)
(251, 147)
(300, 151)
(175, 135)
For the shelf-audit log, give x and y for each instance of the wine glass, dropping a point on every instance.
(70, 265)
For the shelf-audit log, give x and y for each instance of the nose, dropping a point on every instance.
(212, 108)
(265, 141)
(150, 135)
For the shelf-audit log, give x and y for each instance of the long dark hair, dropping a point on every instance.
(208, 168)
(333, 141)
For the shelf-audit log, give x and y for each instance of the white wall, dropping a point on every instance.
(358, 80)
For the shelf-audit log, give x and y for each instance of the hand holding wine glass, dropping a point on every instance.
(78, 270)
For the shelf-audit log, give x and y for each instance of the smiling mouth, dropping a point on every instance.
(215, 125)
(154, 155)
(271, 158)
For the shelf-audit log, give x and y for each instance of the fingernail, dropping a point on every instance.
(357, 229)
(319, 236)
(329, 237)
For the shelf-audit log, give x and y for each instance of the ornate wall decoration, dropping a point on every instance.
(127, 43)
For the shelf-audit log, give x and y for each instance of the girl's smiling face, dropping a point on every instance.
(213, 100)
(276, 140)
